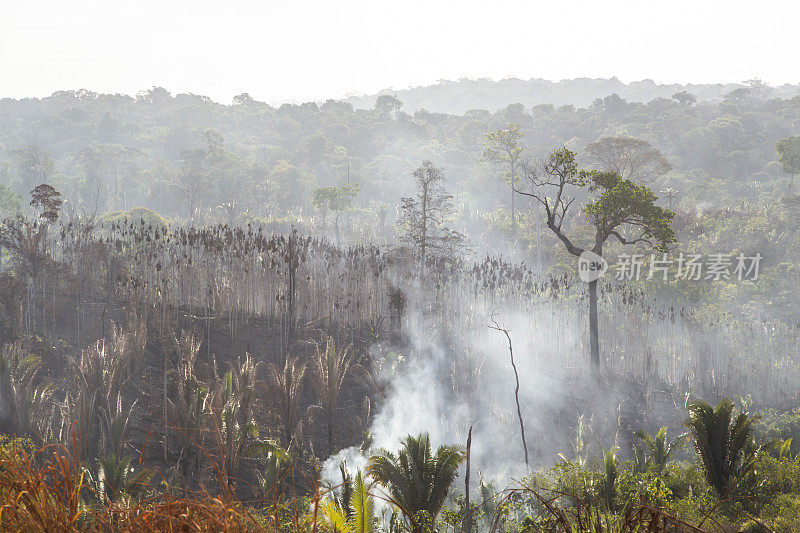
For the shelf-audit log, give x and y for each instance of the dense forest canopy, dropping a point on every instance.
(458, 97)
(187, 157)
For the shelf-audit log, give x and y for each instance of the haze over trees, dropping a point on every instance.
(255, 318)
(424, 215)
(619, 207)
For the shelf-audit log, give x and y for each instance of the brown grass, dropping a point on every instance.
(46, 490)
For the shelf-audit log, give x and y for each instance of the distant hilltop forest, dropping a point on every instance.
(340, 170)
(458, 97)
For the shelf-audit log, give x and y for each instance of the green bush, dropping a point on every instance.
(780, 425)
(133, 215)
(783, 514)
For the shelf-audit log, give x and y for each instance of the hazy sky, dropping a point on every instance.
(313, 50)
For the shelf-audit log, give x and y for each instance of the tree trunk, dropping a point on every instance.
(513, 211)
(594, 343)
(516, 389)
(467, 525)
(330, 432)
(166, 412)
(538, 247)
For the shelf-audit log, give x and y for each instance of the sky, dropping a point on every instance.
(298, 51)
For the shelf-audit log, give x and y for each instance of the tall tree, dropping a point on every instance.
(192, 179)
(505, 147)
(618, 206)
(336, 199)
(633, 159)
(108, 168)
(387, 105)
(423, 217)
(684, 98)
(46, 200)
(34, 165)
(788, 151)
(10, 203)
(658, 449)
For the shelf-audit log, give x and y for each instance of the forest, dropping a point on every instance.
(532, 307)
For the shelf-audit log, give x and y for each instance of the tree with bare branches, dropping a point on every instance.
(423, 217)
(633, 159)
(507, 333)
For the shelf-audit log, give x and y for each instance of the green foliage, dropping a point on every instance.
(10, 203)
(609, 482)
(505, 146)
(143, 215)
(274, 480)
(387, 104)
(358, 516)
(454, 516)
(117, 478)
(622, 202)
(26, 395)
(336, 199)
(788, 151)
(784, 425)
(658, 449)
(416, 479)
(781, 516)
(721, 442)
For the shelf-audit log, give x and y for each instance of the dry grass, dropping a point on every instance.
(47, 490)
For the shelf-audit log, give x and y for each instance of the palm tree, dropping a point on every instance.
(274, 480)
(657, 448)
(115, 424)
(287, 383)
(103, 368)
(245, 378)
(27, 396)
(346, 491)
(117, 478)
(229, 434)
(186, 408)
(357, 516)
(99, 376)
(330, 368)
(721, 441)
(417, 481)
(609, 481)
(231, 411)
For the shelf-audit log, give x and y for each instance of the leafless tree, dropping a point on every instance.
(633, 159)
(507, 333)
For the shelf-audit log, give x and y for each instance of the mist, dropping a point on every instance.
(399, 269)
